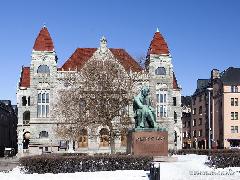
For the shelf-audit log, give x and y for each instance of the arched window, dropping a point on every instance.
(43, 134)
(83, 139)
(104, 137)
(160, 71)
(43, 69)
(26, 117)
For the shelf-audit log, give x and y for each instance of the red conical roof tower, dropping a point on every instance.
(158, 45)
(44, 41)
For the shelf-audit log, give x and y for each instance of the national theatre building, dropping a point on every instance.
(35, 95)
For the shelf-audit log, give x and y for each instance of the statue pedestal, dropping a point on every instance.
(152, 141)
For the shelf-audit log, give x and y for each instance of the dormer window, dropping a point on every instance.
(44, 69)
(160, 71)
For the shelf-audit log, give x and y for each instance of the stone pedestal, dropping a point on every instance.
(153, 142)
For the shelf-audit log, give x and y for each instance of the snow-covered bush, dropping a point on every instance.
(58, 163)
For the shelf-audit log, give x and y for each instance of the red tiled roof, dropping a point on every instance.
(126, 60)
(82, 55)
(78, 58)
(158, 45)
(175, 83)
(44, 41)
(25, 77)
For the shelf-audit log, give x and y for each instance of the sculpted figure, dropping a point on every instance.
(144, 113)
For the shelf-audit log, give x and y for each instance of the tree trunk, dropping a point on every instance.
(112, 142)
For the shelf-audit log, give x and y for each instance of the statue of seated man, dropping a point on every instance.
(144, 113)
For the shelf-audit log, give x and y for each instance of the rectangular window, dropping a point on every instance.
(39, 111)
(200, 110)
(232, 115)
(174, 101)
(43, 98)
(43, 111)
(161, 98)
(194, 133)
(47, 97)
(194, 122)
(234, 89)
(39, 97)
(43, 103)
(175, 116)
(189, 123)
(236, 129)
(161, 104)
(47, 110)
(236, 101)
(200, 121)
(232, 101)
(200, 133)
(194, 111)
(161, 111)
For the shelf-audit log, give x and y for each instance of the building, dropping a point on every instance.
(224, 109)
(8, 126)
(199, 120)
(225, 105)
(37, 82)
(186, 121)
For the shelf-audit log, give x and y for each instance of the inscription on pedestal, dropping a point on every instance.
(154, 143)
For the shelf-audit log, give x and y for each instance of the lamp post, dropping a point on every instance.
(209, 117)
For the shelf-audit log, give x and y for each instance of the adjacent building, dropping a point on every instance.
(8, 126)
(223, 90)
(37, 83)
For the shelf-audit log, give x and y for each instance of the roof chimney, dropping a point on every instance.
(215, 74)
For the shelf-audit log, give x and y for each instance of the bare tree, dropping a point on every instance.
(99, 94)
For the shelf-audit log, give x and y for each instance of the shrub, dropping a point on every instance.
(204, 151)
(62, 163)
(219, 158)
(225, 160)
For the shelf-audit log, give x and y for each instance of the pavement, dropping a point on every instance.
(7, 164)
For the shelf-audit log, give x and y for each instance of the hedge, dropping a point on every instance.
(204, 151)
(70, 163)
(218, 158)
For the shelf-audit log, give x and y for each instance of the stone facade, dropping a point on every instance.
(35, 95)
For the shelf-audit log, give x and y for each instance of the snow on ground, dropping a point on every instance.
(189, 167)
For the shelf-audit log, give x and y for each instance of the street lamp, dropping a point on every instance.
(209, 117)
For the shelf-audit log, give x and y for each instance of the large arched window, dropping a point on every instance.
(104, 137)
(43, 134)
(83, 139)
(160, 71)
(43, 69)
(26, 117)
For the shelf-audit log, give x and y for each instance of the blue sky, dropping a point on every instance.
(201, 34)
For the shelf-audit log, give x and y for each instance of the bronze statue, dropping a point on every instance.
(145, 116)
